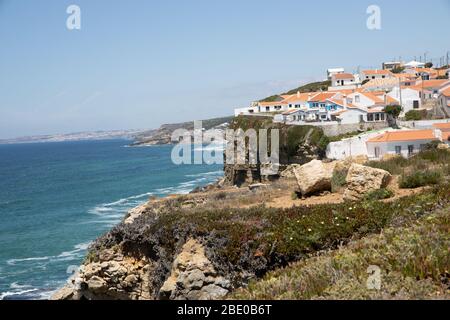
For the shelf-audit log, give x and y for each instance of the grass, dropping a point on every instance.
(424, 159)
(413, 262)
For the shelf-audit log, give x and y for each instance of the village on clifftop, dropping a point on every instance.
(395, 110)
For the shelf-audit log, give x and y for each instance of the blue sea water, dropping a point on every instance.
(55, 198)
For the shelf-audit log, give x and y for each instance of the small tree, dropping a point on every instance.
(428, 65)
(393, 111)
(398, 70)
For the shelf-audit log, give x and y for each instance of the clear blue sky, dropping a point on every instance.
(137, 64)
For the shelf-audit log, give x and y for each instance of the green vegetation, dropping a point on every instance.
(415, 115)
(258, 239)
(413, 261)
(431, 156)
(398, 70)
(393, 110)
(379, 194)
(291, 137)
(429, 65)
(310, 87)
(419, 179)
(338, 180)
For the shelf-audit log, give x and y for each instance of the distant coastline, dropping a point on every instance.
(78, 136)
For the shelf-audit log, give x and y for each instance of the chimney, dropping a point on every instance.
(309, 96)
(298, 94)
(345, 101)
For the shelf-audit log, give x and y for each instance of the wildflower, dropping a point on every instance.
(322, 222)
(309, 230)
(337, 224)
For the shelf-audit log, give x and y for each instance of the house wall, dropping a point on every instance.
(408, 98)
(354, 146)
(389, 147)
(353, 116)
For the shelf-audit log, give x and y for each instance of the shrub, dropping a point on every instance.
(379, 194)
(415, 115)
(338, 180)
(419, 179)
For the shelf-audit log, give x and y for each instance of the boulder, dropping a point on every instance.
(314, 177)
(362, 179)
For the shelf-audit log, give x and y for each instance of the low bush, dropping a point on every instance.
(419, 179)
(379, 194)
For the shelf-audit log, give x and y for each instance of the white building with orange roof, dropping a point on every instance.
(344, 81)
(375, 74)
(444, 99)
(402, 142)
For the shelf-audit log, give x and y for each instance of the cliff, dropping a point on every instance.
(212, 242)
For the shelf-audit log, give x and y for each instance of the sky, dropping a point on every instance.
(139, 63)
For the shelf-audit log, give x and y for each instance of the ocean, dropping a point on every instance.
(55, 198)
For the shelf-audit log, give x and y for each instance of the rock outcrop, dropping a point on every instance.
(314, 177)
(193, 276)
(114, 278)
(362, 179)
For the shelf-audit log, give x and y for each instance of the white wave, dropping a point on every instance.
(203, 174)
(78, 252)
(3, 295)
(12, 262)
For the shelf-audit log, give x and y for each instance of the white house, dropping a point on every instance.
(333, 71)
(375, 74)
(402, 142)
(343, 81)
(414, 64)
(410, 98)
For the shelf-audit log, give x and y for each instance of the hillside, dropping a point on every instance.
(310, 87)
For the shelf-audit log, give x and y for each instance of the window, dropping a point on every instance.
(410, 149)
(398, 149)
(370, 117)
(267, 108)
(416, 104)
(357, 99)
(377, 117)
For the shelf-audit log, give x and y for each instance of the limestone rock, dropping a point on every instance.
(193, 276)
(289, 171)
(362, 179)
(315, 176)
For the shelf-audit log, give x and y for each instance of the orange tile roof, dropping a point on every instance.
(446, 136)
(273, 103)
(404, 135)
(446, 92)
(433, 83)
(442, 126)
(341, 76)
(323, 96)
(385, 72)
(300, 97)
(373, 97)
